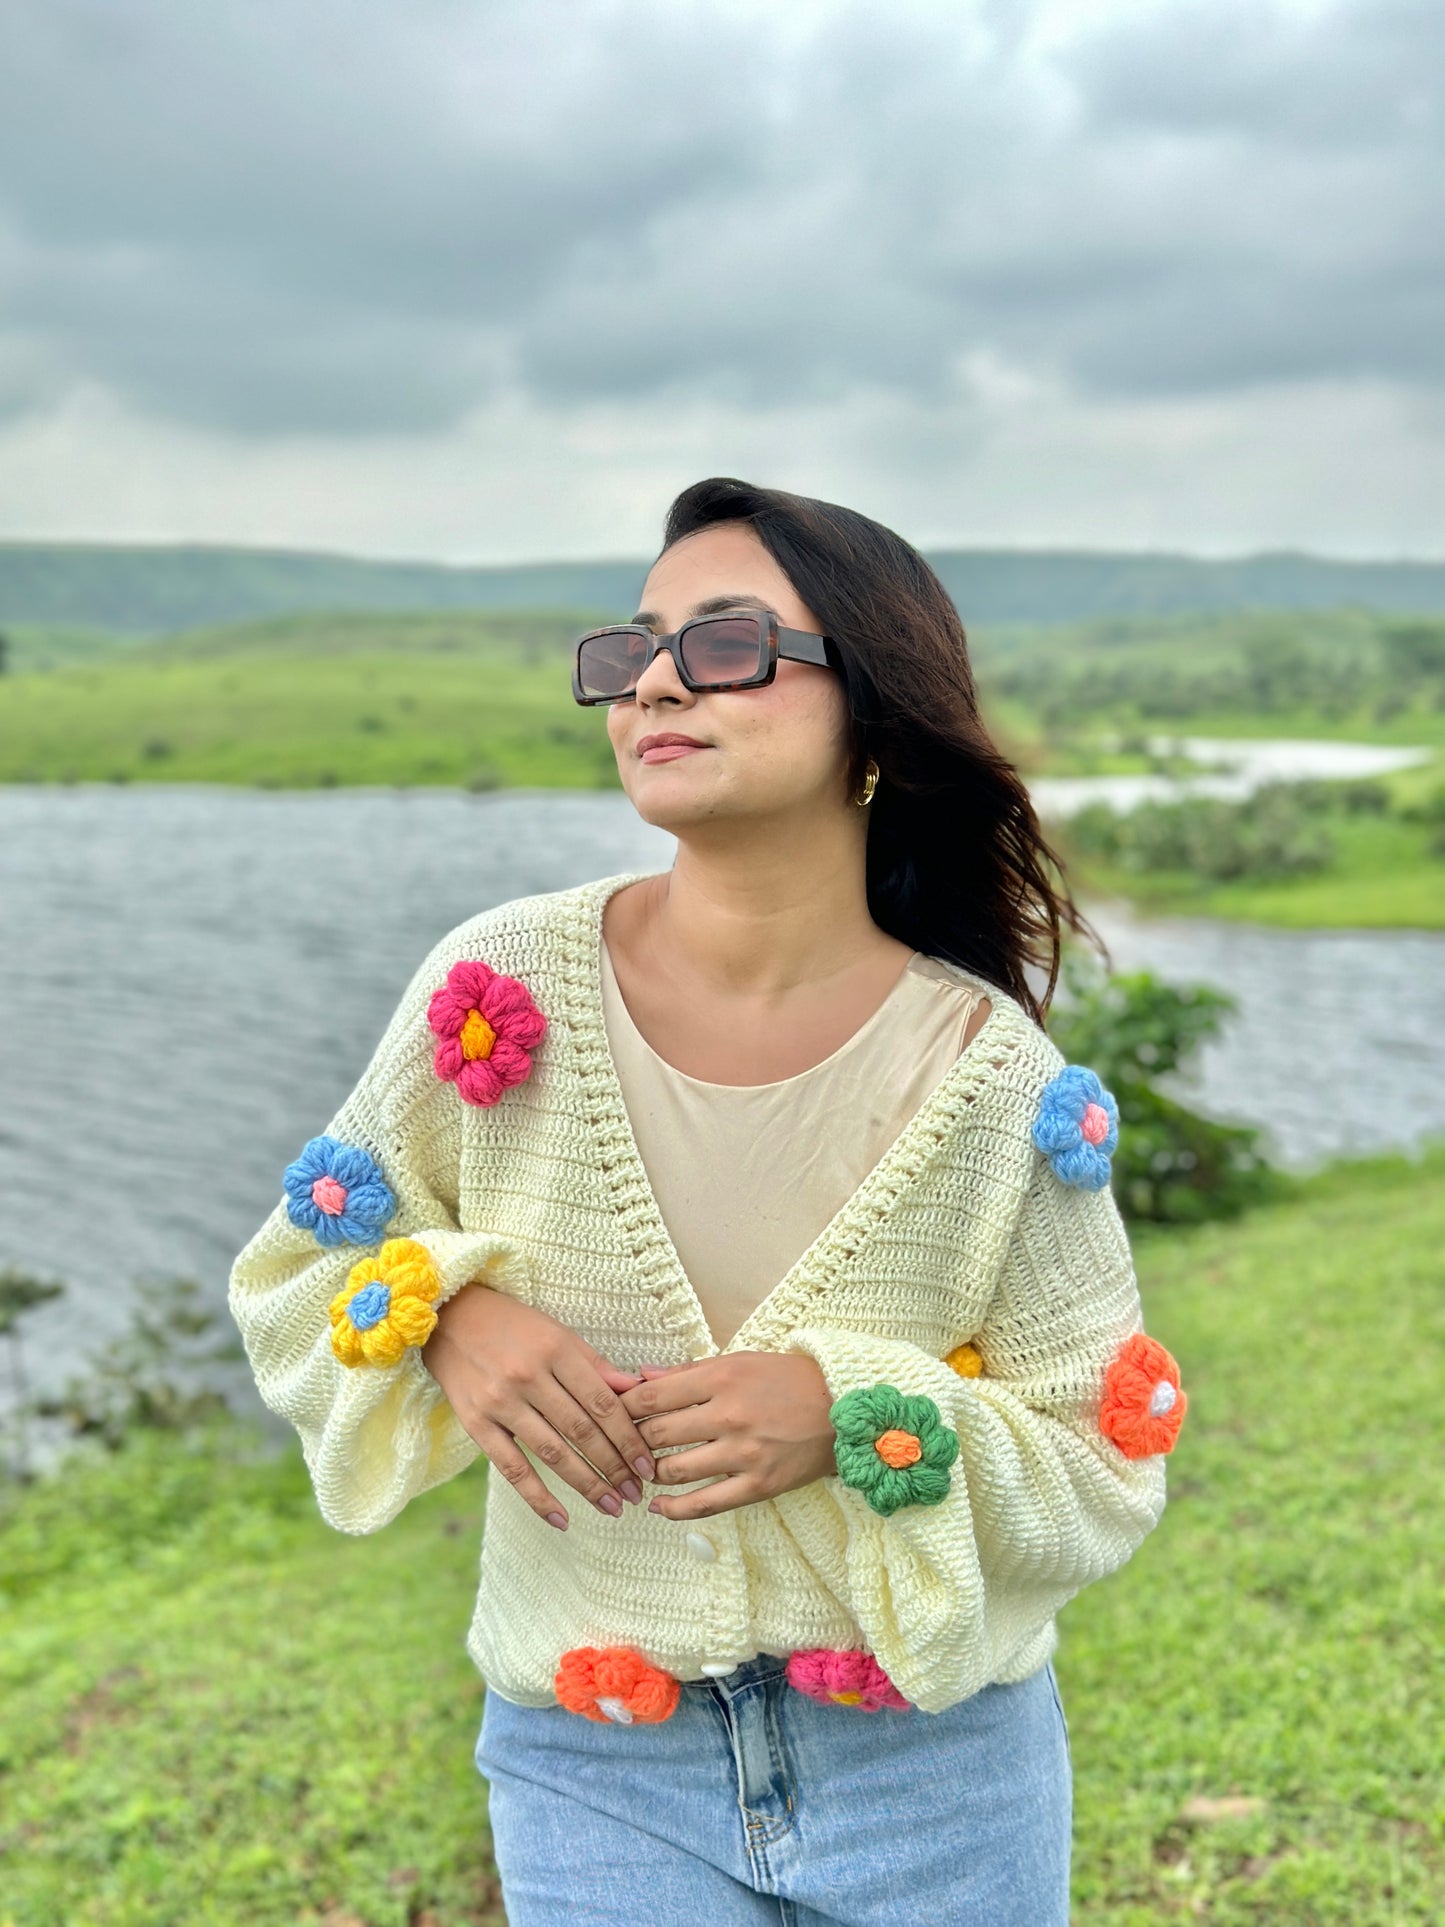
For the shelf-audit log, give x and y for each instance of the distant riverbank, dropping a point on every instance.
(480, 701)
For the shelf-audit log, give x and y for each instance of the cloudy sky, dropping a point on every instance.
(490, 280)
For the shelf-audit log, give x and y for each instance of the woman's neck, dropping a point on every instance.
(767, 927)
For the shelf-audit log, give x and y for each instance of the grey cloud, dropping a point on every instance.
(1343, 75)
(330, 217)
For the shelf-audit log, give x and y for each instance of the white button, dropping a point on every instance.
(719, 1668)
(616, 1710)
(701, 1548)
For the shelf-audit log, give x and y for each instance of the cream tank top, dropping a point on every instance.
(746, 1176)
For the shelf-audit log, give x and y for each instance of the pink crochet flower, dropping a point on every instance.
(488, 1026)
(844, 1679)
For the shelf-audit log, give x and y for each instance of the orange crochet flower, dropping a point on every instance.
(615, 1683)
(1143, 1406)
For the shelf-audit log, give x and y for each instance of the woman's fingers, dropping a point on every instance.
(536, 1428)
(693, 1426)
(709, 1500)
(615, 1380)
(712, 1460)
(602, 1428)
(585, 1440)
(684, 1385)
(516, 1468)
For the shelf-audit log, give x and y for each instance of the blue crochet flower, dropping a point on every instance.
(337, 1193)
(1077, 1127)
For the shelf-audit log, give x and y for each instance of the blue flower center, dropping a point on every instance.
(370, 1305)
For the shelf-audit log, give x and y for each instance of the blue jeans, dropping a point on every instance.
(754, 1803)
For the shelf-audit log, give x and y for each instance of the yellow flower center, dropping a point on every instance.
(898, 1449)
(846, 1699)
(965, 1360)
(478, 1036)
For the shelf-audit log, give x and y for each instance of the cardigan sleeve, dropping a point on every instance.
(374, 1435)
(954, 1562)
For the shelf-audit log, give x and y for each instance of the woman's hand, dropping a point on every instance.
(514, 1376)
(757, 1421)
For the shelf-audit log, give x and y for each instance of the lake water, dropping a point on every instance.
(191, 980)
(1237, 768)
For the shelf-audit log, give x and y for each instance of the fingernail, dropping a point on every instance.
(646, 1467)
(631, 1491)
(610, 1504)
(558, 1519)
(655, 1507)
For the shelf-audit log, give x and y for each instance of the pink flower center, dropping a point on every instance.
(329, 1196)
(1095, 1123)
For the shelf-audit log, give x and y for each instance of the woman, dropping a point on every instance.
(756, 1183)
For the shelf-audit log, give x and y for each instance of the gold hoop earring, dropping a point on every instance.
(870, 783)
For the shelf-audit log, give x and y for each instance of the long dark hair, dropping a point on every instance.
(957, 864)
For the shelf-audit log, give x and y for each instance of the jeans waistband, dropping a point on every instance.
(750, 1672)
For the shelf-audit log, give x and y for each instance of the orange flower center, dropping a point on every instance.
(898, 1449)
(846, 1699)
(478, 1036)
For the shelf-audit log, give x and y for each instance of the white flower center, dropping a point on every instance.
(618, 1711)
(1162, 1399)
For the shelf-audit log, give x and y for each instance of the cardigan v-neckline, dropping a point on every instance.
(745, 1091)
(809, 1277)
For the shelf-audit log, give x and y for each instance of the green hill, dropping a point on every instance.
(152, 590)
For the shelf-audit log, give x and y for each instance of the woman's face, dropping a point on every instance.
(778, 749)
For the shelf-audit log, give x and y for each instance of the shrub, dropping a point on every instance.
(1268, 834)
(1429, 809)
(153, 1377)
(1171, 1166)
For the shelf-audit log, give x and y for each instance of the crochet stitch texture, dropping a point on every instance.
(960, 1232)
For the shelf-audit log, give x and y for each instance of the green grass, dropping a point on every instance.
(54, 645)
(213, 1709)
(1277, 1637)
(435, 699)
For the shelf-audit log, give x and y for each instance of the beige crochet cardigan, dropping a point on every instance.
(961, 1232)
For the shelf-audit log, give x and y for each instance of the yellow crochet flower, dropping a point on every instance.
(385, 1305)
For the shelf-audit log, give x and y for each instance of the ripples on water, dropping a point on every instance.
(192, 979)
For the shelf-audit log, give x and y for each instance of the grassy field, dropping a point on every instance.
(314, 701)
(214, 1710)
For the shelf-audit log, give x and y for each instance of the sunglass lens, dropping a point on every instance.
(722, 650)
(609, 665)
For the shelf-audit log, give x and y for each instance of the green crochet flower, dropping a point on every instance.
(893, 1447)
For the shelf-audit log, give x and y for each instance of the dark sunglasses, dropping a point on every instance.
(711, 652)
